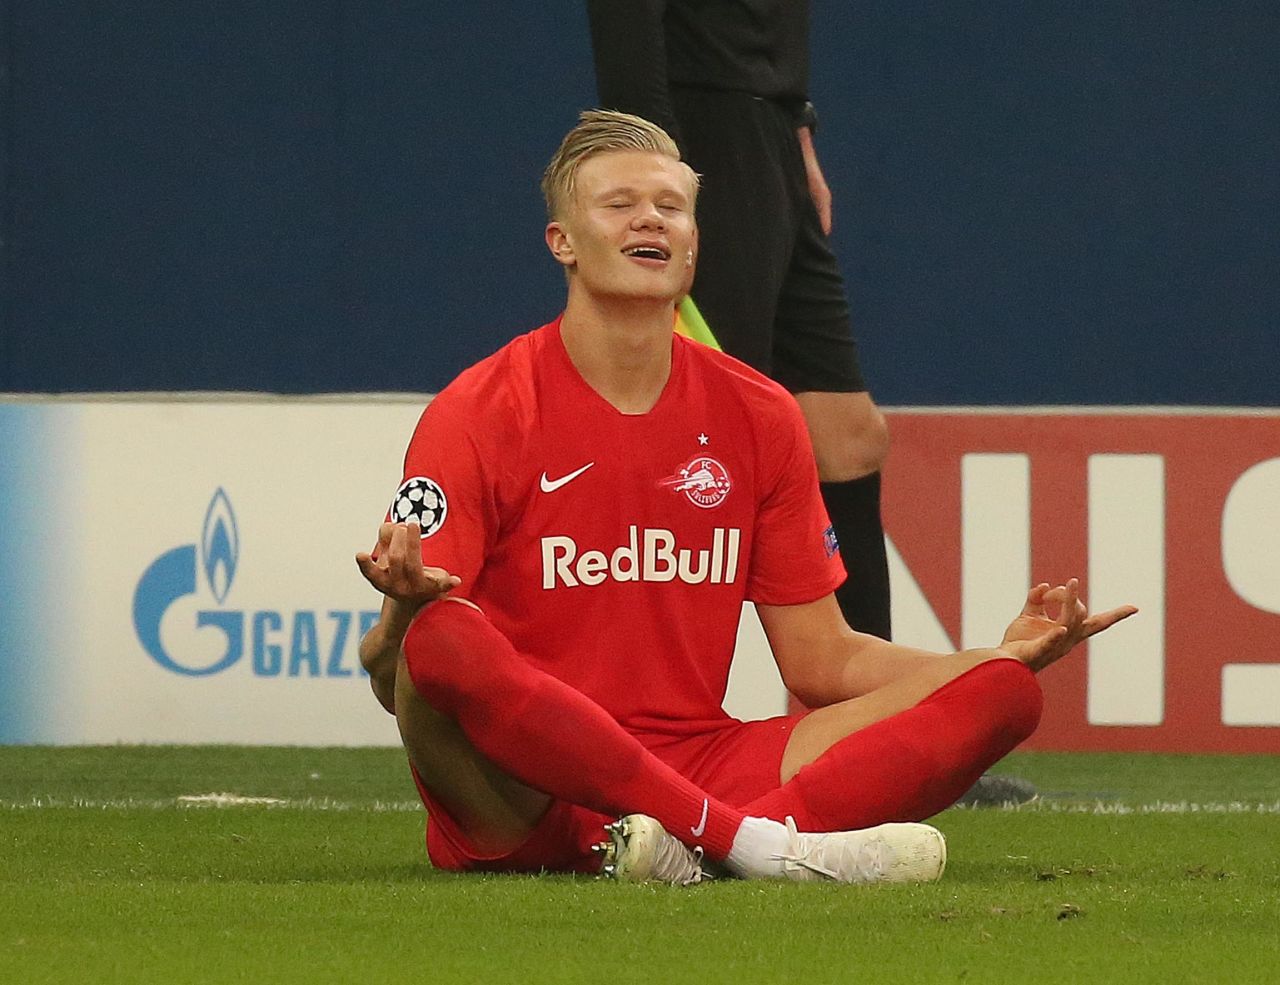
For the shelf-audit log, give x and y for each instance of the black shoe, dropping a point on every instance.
(999, 790)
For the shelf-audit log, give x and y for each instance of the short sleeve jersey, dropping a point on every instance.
(615, 551)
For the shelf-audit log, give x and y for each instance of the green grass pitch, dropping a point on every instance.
(1131, 869)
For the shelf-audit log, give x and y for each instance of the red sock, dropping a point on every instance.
(548, 735)
(917, 763)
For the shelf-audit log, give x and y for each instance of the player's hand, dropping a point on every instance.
(1053, 621)
(398, 572)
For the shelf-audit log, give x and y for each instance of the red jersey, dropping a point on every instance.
(613, 550)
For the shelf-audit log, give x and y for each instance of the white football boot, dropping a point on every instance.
(640, 850)
(900, 852)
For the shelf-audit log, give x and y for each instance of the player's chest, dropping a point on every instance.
(616, 500)
(684, 474)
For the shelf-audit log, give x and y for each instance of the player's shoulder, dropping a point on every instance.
(499, 383)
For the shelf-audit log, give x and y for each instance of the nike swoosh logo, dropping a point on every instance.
(702, 825)
(551, 485)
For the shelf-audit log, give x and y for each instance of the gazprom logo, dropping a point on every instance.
(301, 643)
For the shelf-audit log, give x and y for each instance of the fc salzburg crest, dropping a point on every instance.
(704, 481)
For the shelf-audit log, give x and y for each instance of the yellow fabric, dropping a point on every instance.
(690, 324)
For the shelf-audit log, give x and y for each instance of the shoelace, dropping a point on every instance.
(675, 865)
(867, 863)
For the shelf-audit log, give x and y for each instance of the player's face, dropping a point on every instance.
(629, 232)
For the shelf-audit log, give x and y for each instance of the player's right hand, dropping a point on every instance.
(395, 567)
(1053, 621)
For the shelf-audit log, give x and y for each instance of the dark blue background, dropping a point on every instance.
(1036, 203)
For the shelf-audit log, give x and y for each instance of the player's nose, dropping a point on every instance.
(648, 216)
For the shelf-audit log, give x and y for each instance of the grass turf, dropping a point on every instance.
(1132, 869)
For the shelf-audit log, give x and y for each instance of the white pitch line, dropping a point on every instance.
(228, 801)
(215, 801)
(1121, 809)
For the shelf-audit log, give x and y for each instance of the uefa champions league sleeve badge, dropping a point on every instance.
(420, 499)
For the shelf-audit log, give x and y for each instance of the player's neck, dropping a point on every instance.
(621, 348)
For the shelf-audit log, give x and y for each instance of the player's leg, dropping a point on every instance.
(849, 434)
(850, 441)
(739, 763)
(896, 756)
(546, 735)
(480, 818)
(815, 357)
(484, 808)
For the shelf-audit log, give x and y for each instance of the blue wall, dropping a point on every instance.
(1035, 203)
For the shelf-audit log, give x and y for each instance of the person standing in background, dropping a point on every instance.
(729, 81)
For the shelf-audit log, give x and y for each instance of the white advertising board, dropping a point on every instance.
(182, 572)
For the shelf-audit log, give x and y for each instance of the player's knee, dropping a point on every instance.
(441, 670)
(455, 657)
(857, 448)
(1013, 693)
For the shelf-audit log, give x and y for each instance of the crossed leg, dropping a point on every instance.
(894, 763)
(495, 812)
(533, 740)
(504, 750)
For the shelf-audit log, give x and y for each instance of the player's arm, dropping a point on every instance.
(425, 548)
(380, 649)
(823, 661)
(395, 569)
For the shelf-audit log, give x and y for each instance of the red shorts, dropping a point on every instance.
(735, 762)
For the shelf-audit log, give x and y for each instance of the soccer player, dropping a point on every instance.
(582, 516)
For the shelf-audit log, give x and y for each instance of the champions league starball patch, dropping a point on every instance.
(704, 481)
(423, 500)
(830, 542)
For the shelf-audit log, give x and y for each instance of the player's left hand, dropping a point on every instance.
(398, 572)
(1053, 621)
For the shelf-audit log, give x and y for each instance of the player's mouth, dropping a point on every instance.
(648, 254)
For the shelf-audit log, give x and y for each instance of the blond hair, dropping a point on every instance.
(600, 131)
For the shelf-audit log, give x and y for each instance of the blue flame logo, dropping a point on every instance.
(172, 576)
(220, 545)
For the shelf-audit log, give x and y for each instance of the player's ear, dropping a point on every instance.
(558, 243)
(690, 259)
